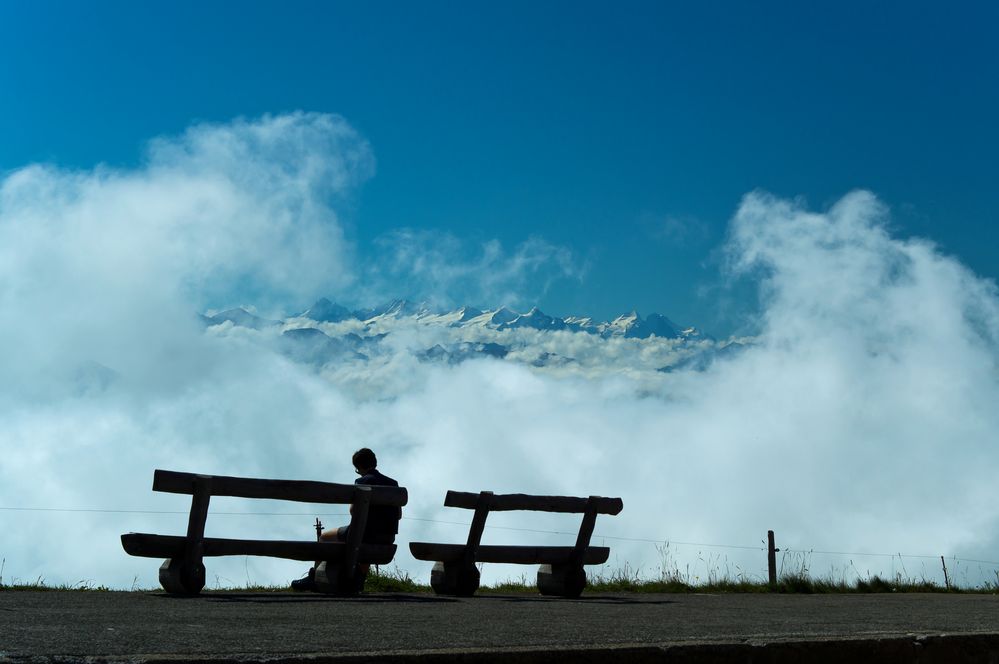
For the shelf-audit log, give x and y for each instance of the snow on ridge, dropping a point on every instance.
(367, 339)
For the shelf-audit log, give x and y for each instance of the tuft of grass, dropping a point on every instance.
(39, 584)
(628, 580)
(795, 583)
(393, 580)
(248, 588)
(732, 586)
(876, 584)
(601, 585)
(521, 586)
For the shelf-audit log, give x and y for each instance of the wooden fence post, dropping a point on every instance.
(771, 558)
(946, 578)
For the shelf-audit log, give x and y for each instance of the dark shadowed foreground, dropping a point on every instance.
(57, 625)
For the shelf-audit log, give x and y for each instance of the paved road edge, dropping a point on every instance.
(922, 649)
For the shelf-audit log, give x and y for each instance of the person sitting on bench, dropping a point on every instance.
(383, 520)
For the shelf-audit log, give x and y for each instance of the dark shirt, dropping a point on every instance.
(383, 520)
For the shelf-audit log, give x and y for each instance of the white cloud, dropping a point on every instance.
(863, 419)
(110, 265)
(438, 267)
(677, 230)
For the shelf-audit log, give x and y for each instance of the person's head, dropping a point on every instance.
(364, 460)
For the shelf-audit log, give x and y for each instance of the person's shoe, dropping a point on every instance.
(306, 583)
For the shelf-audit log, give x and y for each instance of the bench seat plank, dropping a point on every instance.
(304, 491)
(520, 555)
(172, 546)
(520, 501)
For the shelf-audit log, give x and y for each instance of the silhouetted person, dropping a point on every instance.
(383, 520)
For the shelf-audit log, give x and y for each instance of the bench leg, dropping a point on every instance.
(333, 578)
(179, 578)
(561, 580)
(455, 578)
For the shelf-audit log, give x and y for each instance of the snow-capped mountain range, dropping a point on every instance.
(329, 336)
(630, 325)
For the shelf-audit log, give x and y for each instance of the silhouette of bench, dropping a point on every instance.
(561, 567)
(343, 565)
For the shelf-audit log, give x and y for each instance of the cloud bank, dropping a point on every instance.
(862, 418)
(448, 272)
(112, 264)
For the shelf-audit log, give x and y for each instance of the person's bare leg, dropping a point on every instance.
(331, 535)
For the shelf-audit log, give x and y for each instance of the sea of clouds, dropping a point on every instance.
(862, 419)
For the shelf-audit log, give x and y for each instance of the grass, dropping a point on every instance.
(668, 578)
(393, 584)
(400, 582)
(794, 577)
(393, 580)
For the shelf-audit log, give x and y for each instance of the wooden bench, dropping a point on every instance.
(561, 572)
(343, 565)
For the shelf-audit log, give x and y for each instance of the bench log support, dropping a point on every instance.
(186, 575)
(461, 577)
(568, 579)
(346, 576)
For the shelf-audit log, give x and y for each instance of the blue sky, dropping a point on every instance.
(626, 132)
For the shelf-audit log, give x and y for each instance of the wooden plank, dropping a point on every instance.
(521, 555)
(358, 521)
(303, 491)
(585, 530)
(193, 549)
(146, 545)
(478, 525)
(520, 501)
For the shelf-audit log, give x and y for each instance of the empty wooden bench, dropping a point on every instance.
(561, 572)
(344, 564)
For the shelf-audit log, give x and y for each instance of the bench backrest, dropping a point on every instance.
(486, 501)
(519, 501)
(302, 491)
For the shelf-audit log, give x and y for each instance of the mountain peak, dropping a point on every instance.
(630, 317)
(467, 313)
(325, 311)
(536, 319)
(240, 316)
(502, 316)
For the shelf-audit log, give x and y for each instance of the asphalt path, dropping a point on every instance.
(137, 626)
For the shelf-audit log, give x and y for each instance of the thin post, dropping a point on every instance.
(341, 576)
(185, 573)
(585, 531)
(196, 520)
(946, 578)
(461, 577)
(358, 522)
(568, 579)
(478, 525)
(771, 558)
